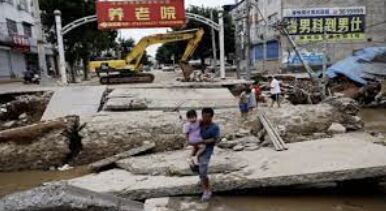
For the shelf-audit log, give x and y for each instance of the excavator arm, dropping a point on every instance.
(194, 36)
(127, 71)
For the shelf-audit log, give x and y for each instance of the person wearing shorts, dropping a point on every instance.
(210, 133)
(275, 90)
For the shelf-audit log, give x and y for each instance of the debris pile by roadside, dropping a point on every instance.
(199, 76)
(23, 110)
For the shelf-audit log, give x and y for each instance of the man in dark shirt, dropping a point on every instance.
(210, 133)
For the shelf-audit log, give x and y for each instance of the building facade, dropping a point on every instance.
(334, 28)
(18, 38)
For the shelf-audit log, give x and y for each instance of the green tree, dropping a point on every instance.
(83, 42)
(204, 50)
(126, 46)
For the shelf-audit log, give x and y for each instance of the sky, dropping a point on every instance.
(137, 34)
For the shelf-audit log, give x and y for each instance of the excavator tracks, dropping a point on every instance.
(127, 79)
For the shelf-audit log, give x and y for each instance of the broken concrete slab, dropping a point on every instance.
(175, 164)
(159, 83)
(100, 165)
(110, 133)
(62, 197)
(125, 104)
(342, 158)
(170, 99)
(82, 101)
(37, 146)
(293, 121)
(336, 128)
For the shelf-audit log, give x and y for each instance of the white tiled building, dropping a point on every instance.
(18, 38)
(270, 57)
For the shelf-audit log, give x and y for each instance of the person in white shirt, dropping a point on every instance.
(275, 90)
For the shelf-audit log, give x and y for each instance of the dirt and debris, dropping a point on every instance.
(22, 109)
(36, 146)
(199, 76)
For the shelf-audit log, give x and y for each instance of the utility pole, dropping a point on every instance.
(265, 29)
(222, 43)
(62, 60)
(248, 40)
(237, 43)
(214, 48)
(40, 42)
(323, 83)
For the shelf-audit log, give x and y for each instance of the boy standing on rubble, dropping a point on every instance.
(244, 102)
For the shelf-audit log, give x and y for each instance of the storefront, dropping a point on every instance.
(13, 56)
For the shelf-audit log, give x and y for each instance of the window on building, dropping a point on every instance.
(12, 27)
(23, 5)
(259, 52)
(27, 27)
(272, 50)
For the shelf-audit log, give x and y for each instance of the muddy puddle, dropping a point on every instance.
(18, 181)
(375, 119)
(299, 203)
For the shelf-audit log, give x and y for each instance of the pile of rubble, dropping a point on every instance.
(23, 110)
(199, 76)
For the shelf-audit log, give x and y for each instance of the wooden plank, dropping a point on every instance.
(29, 133)
(280, 140)
(270, 133)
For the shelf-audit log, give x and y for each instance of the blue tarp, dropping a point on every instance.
(354, 67)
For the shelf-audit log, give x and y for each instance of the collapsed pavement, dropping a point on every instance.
(61, 197)
(110, 133)
(344, 157)
(22, 109)
(37, 146)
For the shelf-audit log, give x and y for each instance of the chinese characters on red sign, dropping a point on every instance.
(20, 43)
(114, 14)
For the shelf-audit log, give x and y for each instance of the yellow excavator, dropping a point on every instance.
(129, 70)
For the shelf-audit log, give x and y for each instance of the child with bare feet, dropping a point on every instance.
(193, 135)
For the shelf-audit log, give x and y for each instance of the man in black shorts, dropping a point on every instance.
(275, 90)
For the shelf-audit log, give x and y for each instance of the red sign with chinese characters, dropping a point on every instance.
(20, 43)
(114, 14)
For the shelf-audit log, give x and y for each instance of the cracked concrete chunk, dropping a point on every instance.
(342, 158)
(164, 99)
(125, 104)
(175, 163)
(336, 128)
(60, 197)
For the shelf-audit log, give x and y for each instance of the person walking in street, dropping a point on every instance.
(256, 89)
(210, 133)
(275, 90)
(244, 102)
(252, 104)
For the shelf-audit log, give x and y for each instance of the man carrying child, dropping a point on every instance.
(203, 144)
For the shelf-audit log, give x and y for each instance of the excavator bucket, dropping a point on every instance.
(187, 70)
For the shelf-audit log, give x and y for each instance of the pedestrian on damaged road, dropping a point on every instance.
(210, 133)
(244, 102)
(275, 90)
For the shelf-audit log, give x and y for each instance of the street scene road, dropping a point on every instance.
(180, 105)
